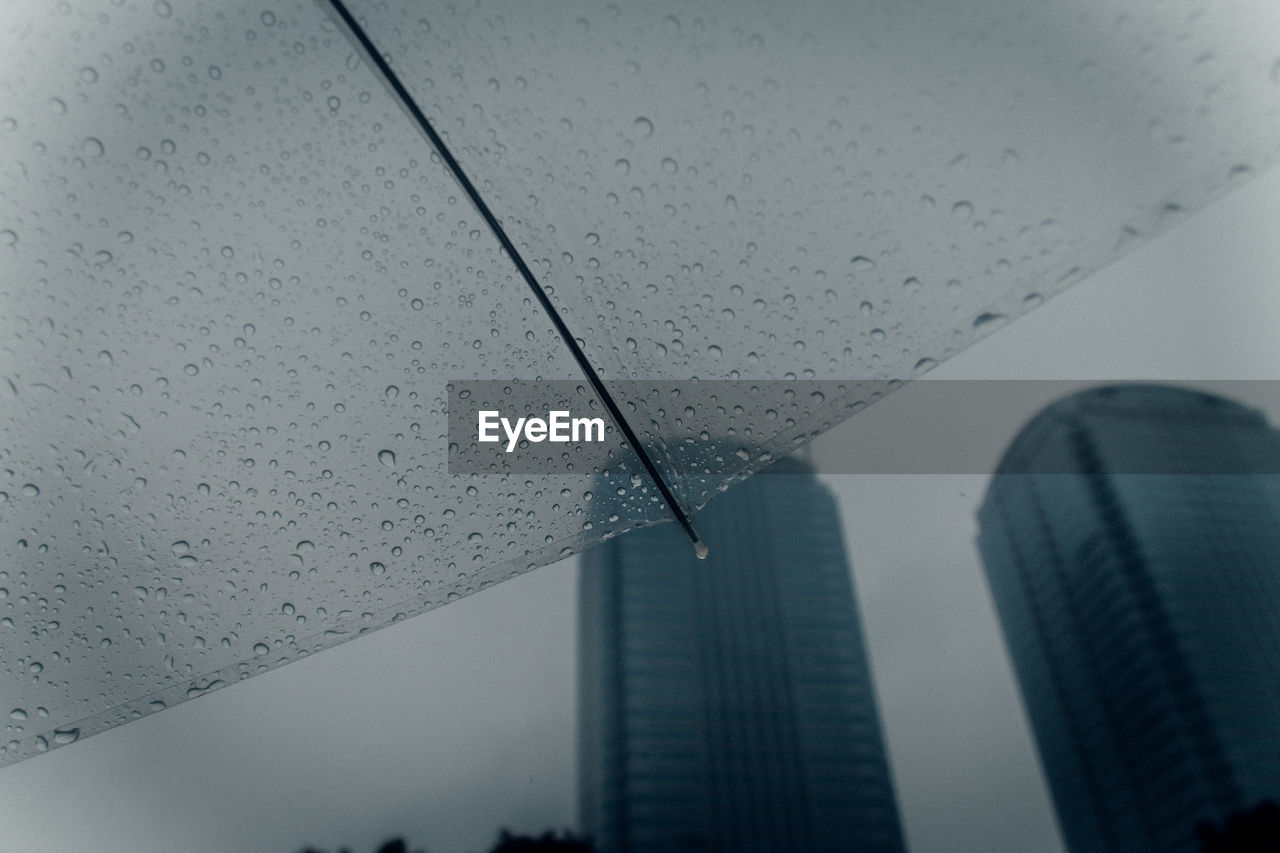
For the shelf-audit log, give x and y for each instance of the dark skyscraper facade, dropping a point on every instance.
(1136, 574)
(727, 704)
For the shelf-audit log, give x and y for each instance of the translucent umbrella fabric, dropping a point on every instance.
(238, 281)
(236, 284)
(827, 190)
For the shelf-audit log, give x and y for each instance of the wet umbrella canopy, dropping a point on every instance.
(241, 277)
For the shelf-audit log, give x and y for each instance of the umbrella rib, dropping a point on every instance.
(406, 100)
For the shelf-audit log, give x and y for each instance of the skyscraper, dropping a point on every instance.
(727, 704)
(1136, 574)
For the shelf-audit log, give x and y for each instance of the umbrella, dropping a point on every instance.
(251, 252)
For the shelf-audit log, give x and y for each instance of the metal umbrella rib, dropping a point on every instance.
(393, 81)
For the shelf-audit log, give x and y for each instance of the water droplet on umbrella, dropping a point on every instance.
(988, 320)
(644, 127)
(386, 457)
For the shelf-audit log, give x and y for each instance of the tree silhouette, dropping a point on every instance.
(1256, 830)
(508, 842)
(392, 845)
(548, 842)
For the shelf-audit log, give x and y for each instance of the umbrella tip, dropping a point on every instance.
(700, 549)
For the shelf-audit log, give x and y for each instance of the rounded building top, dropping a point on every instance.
(1135, 402)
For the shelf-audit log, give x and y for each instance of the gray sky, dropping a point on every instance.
(447, 726)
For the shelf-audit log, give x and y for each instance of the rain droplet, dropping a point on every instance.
(18, 714)
(377, 568)
(988, 320)
(268, 19)
(89, 74)
(861, 263)
(334, 103)
(163, 9)
(962, 209)
(669, 166)
(391, 392)
(62, 737)
(644, 127)
(31, 490)
(260, 649)
(386, 457)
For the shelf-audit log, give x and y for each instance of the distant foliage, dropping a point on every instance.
(394, 845)
(548, 842)
(1256, 830)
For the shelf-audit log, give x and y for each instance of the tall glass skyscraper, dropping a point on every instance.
(727, 704)
(1136, 573)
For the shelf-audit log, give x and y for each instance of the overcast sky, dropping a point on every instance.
(455, 723)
